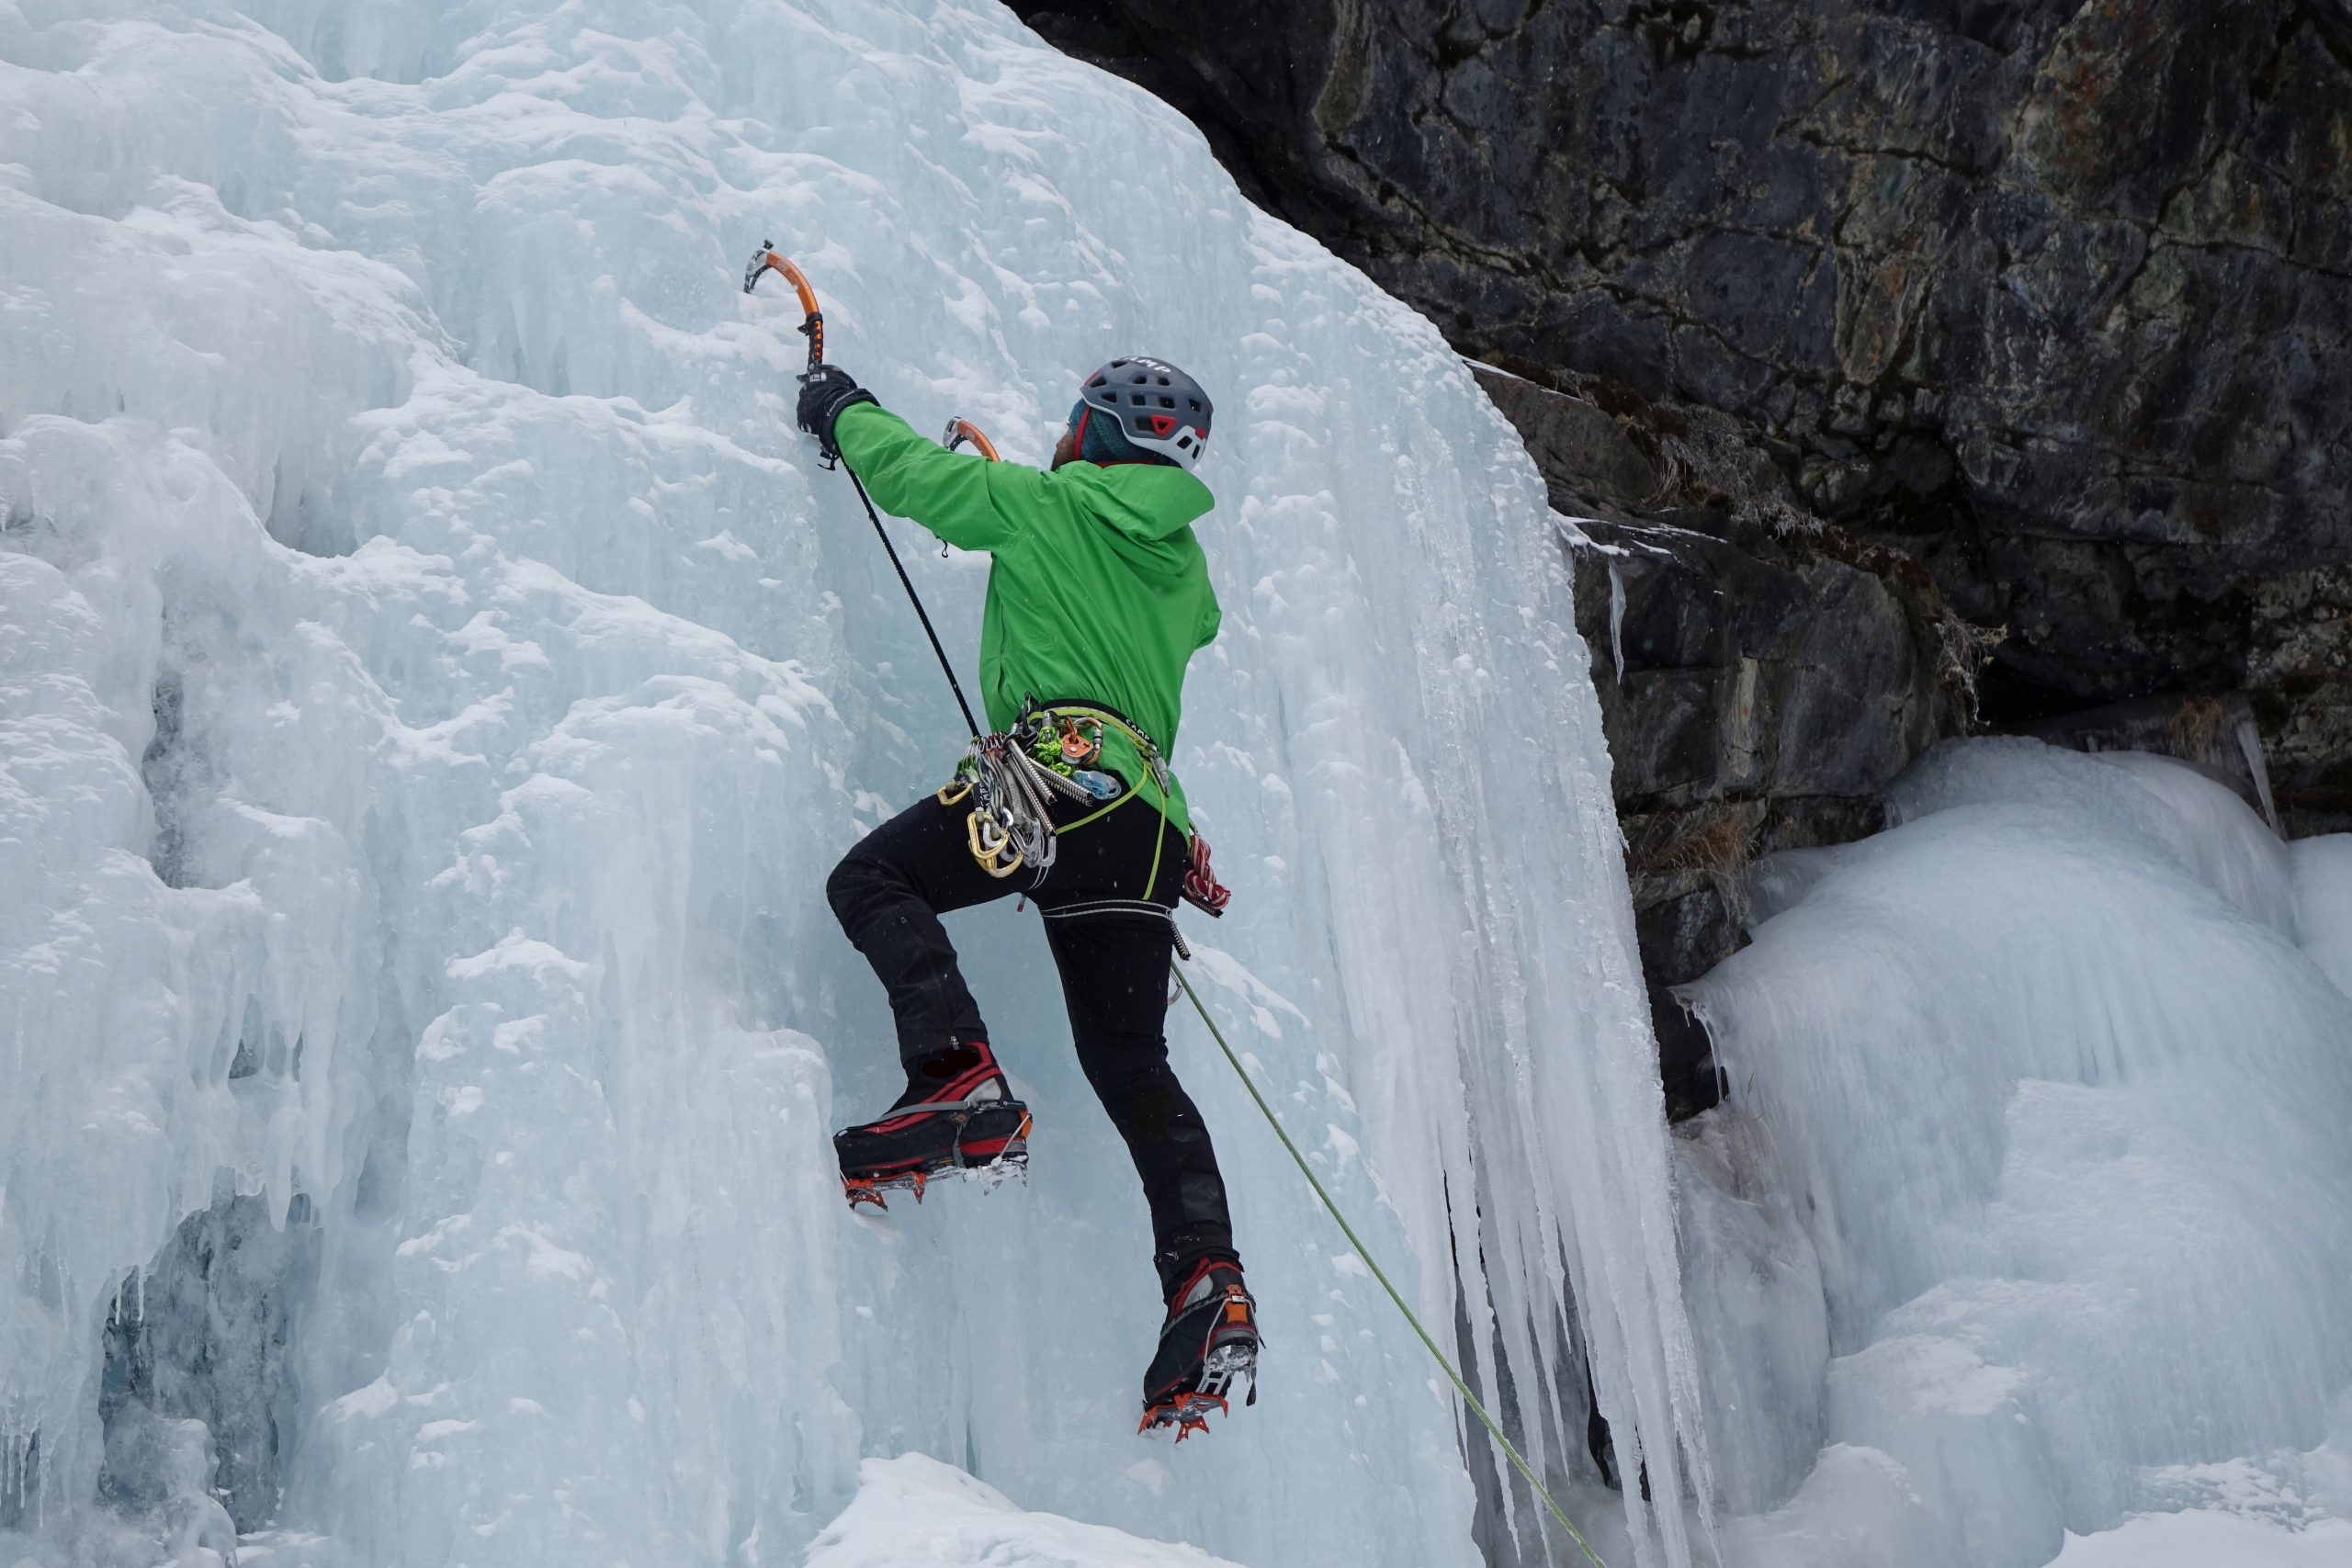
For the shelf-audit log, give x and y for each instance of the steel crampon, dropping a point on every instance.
(1188, 1412)
(997, 1163)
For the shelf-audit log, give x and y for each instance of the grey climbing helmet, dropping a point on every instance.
(1159, 407)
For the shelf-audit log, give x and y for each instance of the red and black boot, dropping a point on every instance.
(957, 1114)
(1209, 1340)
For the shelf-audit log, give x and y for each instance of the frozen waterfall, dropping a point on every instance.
(434, 681)
(2032, 1209)
(437, 682)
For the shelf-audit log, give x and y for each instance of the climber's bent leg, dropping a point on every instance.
(888, 893)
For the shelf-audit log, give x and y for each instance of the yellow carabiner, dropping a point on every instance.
(960, 787)
(980, 831)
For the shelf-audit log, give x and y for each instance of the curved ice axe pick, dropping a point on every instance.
(960, 430)
(812, 321)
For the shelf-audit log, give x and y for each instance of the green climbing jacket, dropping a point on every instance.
(1097, 591)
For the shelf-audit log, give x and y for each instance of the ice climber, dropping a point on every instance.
(1098, 597)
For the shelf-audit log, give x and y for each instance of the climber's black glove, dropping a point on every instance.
(824, 392)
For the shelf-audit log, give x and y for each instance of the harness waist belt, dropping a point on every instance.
(1089, 705)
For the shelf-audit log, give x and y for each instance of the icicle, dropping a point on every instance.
(2250, 743)
(1617, 619)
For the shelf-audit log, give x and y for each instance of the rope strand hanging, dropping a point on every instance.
(1444, 1364)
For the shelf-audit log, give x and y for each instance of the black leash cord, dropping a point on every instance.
(915, 599)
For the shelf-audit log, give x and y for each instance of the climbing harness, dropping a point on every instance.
(1012, 776)
(1011, 823)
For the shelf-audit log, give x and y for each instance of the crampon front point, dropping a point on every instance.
(1188, 1412)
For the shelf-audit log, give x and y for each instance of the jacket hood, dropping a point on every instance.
(1145, 503)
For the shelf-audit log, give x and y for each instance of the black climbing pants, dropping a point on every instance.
(1107, 923)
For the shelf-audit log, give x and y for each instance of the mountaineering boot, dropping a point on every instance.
(957, 1114)
(1210, 1339)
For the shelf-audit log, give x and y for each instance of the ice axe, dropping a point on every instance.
(812, 327)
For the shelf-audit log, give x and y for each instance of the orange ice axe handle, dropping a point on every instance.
(812, 324)
(960, 430)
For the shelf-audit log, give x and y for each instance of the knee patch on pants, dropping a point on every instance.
(853, 879)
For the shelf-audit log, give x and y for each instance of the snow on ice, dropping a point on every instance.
(914, 1512)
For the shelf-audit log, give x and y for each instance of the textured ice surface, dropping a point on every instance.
(2322, 871)
(437, 683)
(2044, 1094)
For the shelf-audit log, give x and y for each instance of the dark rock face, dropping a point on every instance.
(1769, 694)
(1763, 675)
(2054, 296)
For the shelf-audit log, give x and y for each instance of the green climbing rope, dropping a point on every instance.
(1365, 1253)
